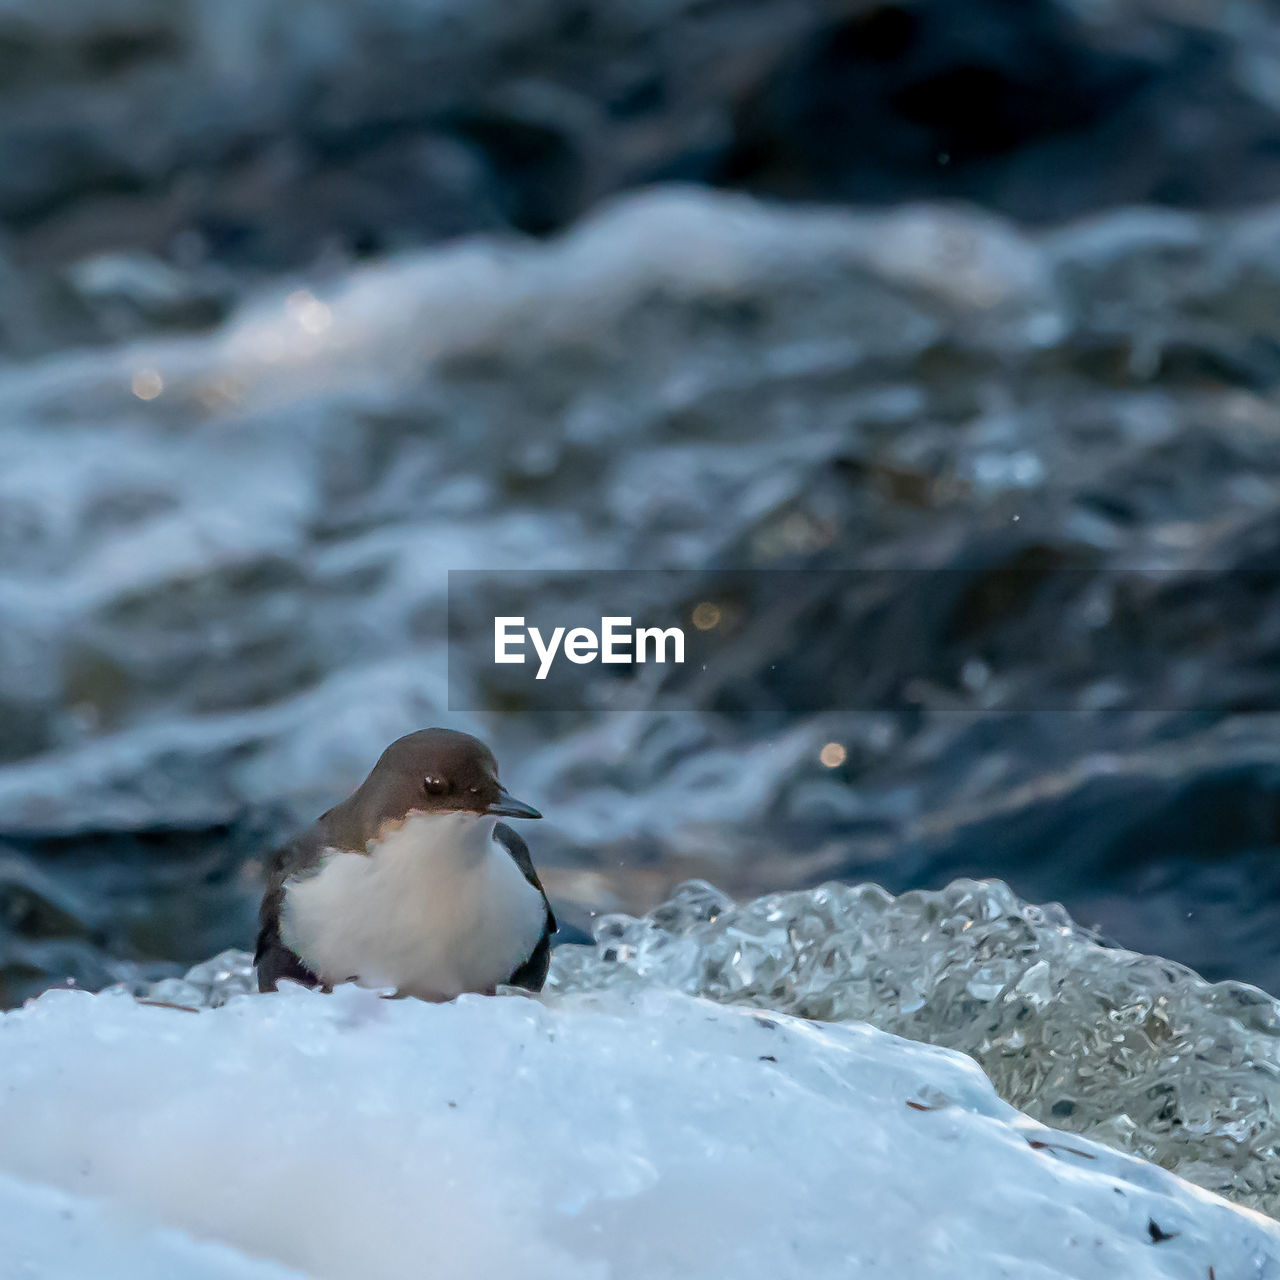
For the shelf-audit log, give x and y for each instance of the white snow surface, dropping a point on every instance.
(583, 1137)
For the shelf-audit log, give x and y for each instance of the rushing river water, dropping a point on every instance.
(223, 565)
(278, 354)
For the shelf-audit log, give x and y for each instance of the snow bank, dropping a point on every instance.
(644, 1134)
(50, 1235)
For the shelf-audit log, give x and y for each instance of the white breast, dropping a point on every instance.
(434, 909)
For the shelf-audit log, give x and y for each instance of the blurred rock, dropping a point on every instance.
(1044, 110)
(122, 906)
(280, 130)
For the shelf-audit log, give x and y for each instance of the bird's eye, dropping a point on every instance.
(435, 786)
(475, 791)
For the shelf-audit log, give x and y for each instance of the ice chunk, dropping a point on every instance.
(1133, 1050)
(228, 974)
(598, 1136)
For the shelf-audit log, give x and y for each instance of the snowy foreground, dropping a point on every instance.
(620, 1134)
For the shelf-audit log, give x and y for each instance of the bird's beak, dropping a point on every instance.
(507, 806)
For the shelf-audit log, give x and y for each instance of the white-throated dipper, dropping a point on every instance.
(411, 882)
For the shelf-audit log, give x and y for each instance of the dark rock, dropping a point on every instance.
(276, 132)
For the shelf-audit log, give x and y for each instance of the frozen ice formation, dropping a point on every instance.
(210, 984)
(1132, 1050)
(600, 1135)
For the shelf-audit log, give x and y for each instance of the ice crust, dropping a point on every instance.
(620, 1133)
(1132, 1050)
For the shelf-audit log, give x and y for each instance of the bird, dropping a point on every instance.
(411, 883)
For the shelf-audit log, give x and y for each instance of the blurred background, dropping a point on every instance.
(305, 302)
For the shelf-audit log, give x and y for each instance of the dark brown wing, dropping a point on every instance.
(273, 959)
(519, 852)
(533, 973)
